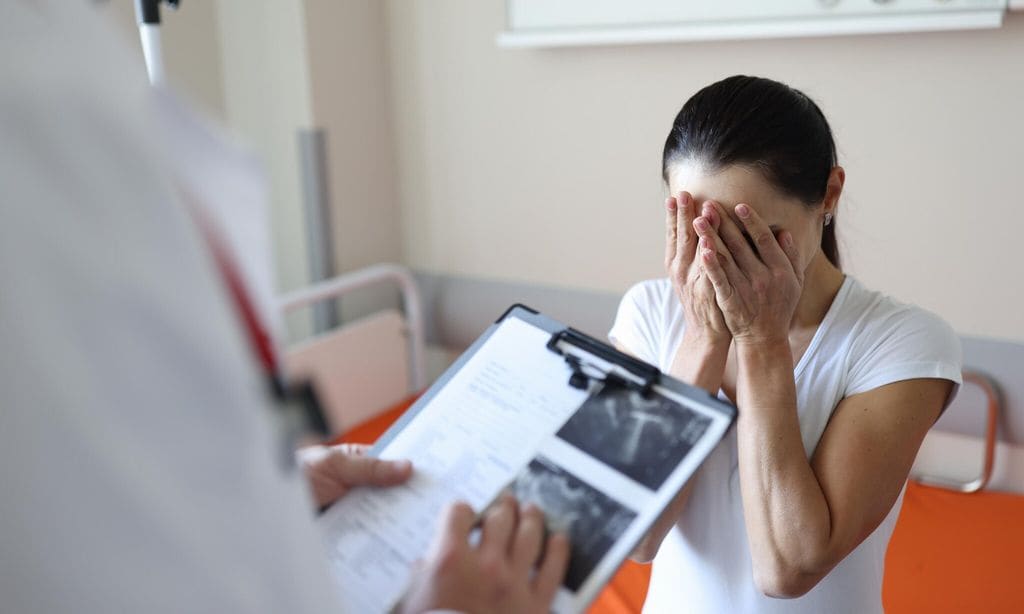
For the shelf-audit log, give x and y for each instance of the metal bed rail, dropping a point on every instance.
(375, 275)
(993, 410)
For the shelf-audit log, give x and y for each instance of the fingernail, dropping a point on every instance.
(670, 203)
(700, 223)
(742, 210)
(401, 467)
(787, 239)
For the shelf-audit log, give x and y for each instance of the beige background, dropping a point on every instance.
(542, 166)
(246, 63)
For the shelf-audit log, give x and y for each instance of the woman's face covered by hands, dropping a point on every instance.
(738, 184)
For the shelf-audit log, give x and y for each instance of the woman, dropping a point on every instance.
(836, 385)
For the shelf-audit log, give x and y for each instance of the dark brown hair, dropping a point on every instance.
(764, 123)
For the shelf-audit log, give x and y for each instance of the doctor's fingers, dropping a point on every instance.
(356, 470)
(450, 545)
(499, 526)
(552, 569)
(456, 524)
(528, 539)
(354, 449)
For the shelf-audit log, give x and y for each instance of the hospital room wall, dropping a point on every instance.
(218, 57)
(272, 71)
(351, 101)
(543, 166)
(267, 102)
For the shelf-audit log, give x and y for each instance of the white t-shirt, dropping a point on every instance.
(865, 341)
(140, 469)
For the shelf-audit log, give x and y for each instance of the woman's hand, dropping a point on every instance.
(757, 284)
(704, 320)
(333, 471)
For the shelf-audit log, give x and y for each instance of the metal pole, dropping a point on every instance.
(313, 163)
(147, 13)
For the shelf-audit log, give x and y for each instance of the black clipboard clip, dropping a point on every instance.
(635, 374)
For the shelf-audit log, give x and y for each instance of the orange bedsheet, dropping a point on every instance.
(953, 552)
(624, 594)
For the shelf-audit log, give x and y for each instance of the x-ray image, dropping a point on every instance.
(643, 438)
(592, 520)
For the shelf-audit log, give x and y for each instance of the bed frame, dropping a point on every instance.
(367, 365)
(978, 443)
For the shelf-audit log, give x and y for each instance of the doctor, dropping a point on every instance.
(137, 452)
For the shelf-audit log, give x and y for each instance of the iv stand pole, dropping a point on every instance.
(147, 13)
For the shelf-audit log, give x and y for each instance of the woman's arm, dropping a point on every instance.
(701, 356)
(649, 545)
(803, 517)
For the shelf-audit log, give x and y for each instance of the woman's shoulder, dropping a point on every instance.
(890, 336)
(877, 314)
(650, 293)
(654, 301)
(647, 310)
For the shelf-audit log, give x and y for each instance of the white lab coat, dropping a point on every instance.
(139, 466)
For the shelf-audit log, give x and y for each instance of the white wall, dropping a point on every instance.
(267, 100)
(270, 69)
(246, 64)
(350, 95)
(543, 165)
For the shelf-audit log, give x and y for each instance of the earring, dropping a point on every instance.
(828, 219)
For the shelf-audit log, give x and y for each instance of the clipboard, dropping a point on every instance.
(599, 440)
(648, 374)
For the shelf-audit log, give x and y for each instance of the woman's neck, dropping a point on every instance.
(822, 281)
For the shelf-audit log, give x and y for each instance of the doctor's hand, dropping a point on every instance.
(705, 323)
(757, 282)
(513, 569)
(333, 471)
